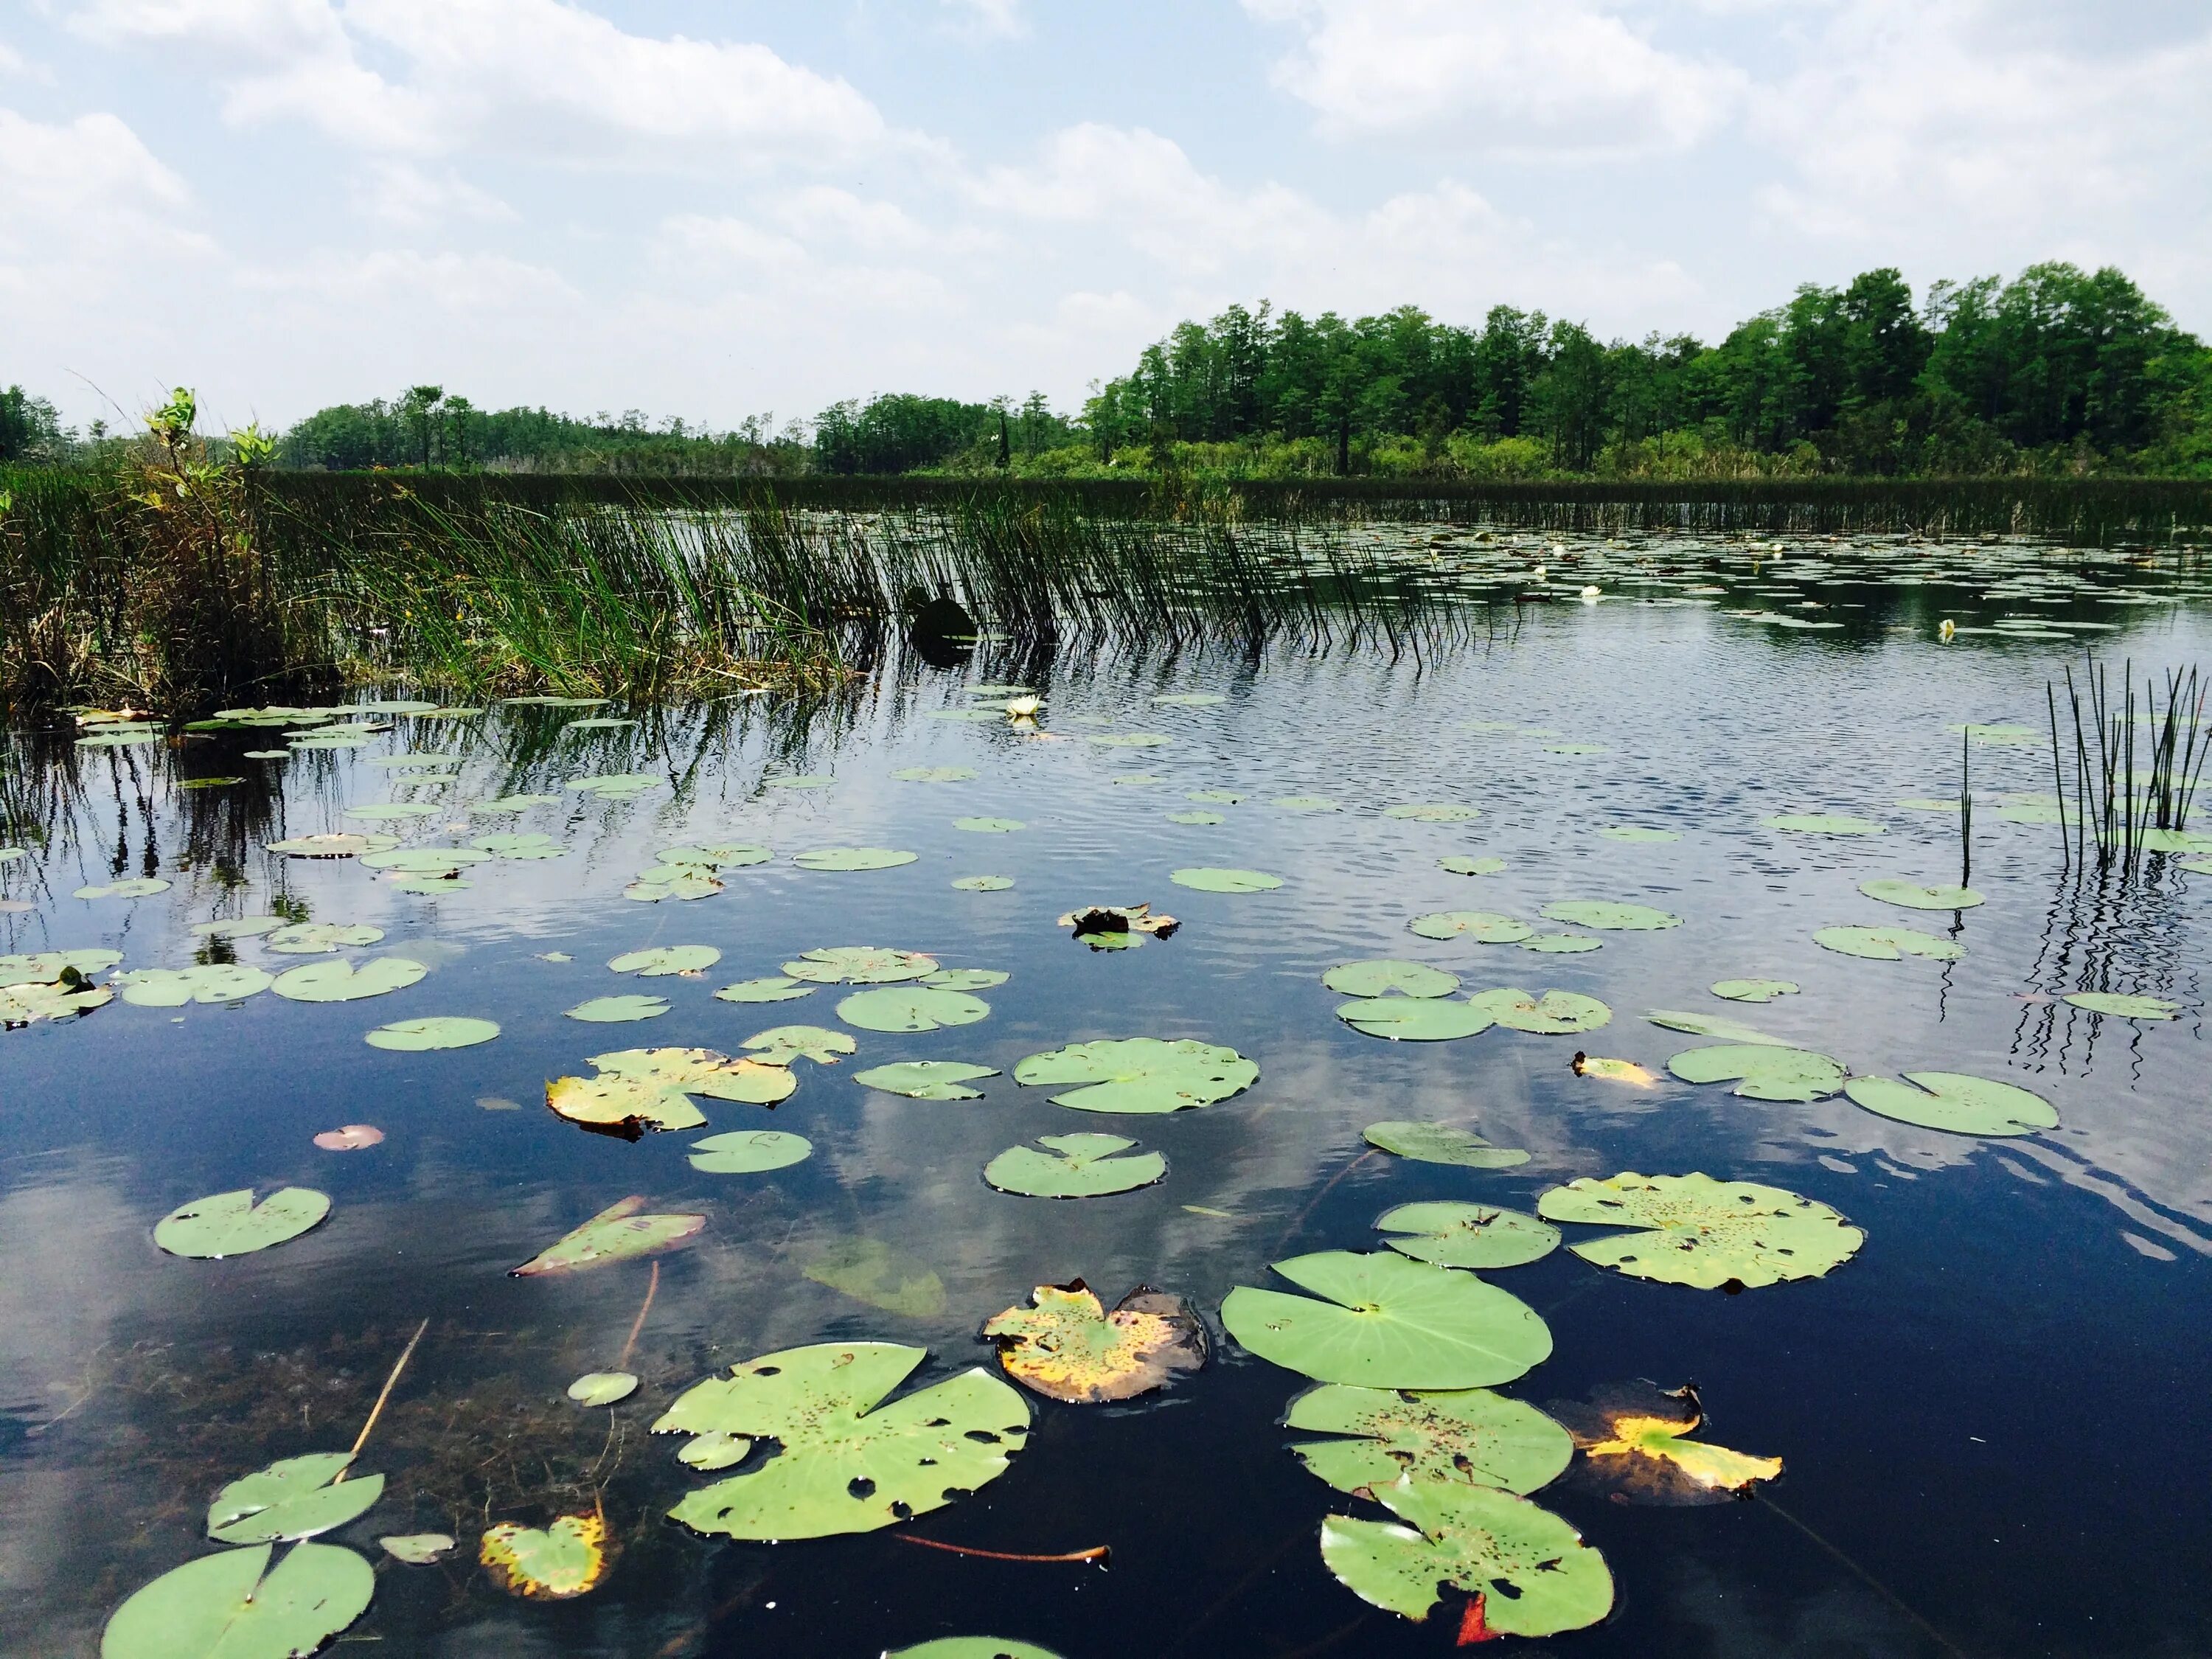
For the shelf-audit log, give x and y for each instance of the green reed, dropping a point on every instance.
(2122, 814)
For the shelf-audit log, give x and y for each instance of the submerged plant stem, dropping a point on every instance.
(1102, 1553)
(389, 1382)
(652, 1288)
(1887, 1594)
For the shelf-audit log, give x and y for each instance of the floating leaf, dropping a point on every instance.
(1196, 818)
(238, 927)
(415, 1036)
(1461, 864)
(425, 860)
(1105, 926)
(780, 1044)
(910, 1008)
(1562, 944)
(506, 803)
(672, 882)
(1140, 1074)
(1455, 1438)
(861, 965)
(750, 1151)
(989, 826)
(935, 774)
(1442, 1143)
(1483, 927)
(2124, 1006)
(618, 1011)
(1132, 739)
(1078, 1166)
(1305, 803)
(852, 858)
(1377, 978)
(1823, 824)
(2014, 735)
(799, 780)
(137, 887)
(618, 1233)
(927, 1079)
(46, 967)
(1763, 1071)
(1614, 1071)
(329, 847)
(231, 1223)
(614, 785)
(847, 1463)
(1456, 1235)
(25, 1005)
(533, 846)
(570, 1558)
(1553, 1014)
(1635, 1448)
(1221, 797)
(351, 1137)
(1887, 944)
(1189, 699)
(1417, 1019)
(1721, 1027)
(777, 990)
(1913, 896)
(603, 1388)
(172, 987)
(639, 1089)
(291, 1499)
(344, 981)
(984, 884)
(377, 813)
(1208, 880)
(660, 961)
(1066, 1345)
(1387, 1322)
(1954, 1101)
(231, 1606)
(1530, 1572)
(1441, 812)
(1754, 990)
(417, 1549)
(966, 979)
(1608, 917)
(868, 1270)
(309, 939)
(1702, 1232)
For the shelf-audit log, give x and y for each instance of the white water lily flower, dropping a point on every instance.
(1946, 630)
(1590, 596)
(1541, 574)
(1023, 708)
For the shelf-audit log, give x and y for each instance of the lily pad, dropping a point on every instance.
(614, 785)
(966, 979)
(1205, 879)
(425, 860)
(172, 987)
(1956, 1102)
(639, 1089)
(1705, 1233)
(231, 1223)
(1131, 739)
(503, 805)
(520, 847)
(1442, 1143)
(1635, 1447)
(27, 1004)
(1554, 1014)
(1754, 990)
(781, 1044)
(750, 1151)
(1433, 812)
(621, 1232)
(135, 887)
(870, 1271)
(2124, 1006)
(1417, 1019)
(1386, 1322)
(1066, 1345)
(291, 1499)
(557, 1563)
(1913, 896)
(1483, 927)
(329, 846)
(661, 961)
(1456, 1235)
(1887, 944)
(1762, 1070)
(1078, 1166)
(1140, 1074)
(310, 938)
(1189, 699)
(847, 1463)
(603, 1388)
(417, 1549)
(416, 1037)
(618, 1011)
(861, 965)
(799, 780)
(1461, 864)
(1453, 1437)
(1382, 977)
(238, 927)
(1196, 816)
(777, 990)
(45, 966)
(910, 1008)
(1563, 943)
(1530, 1572)
(671, 881)
(935, 774)
(927, 1079)
(231, 1606)
(1609, 917)
(853, 857)
(989, 826)
(1219, 796)
(2012, 735)
(1719, 1027)
(1823, 824)
(984, 884)
(1305, 803)
(381, 812)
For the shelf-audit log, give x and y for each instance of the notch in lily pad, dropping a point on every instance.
(1710, 1235)
(927, 1079)
(234, 1223)
(1148, 1075)
(1075, 1166)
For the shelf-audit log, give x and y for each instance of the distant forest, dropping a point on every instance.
(2058, 371)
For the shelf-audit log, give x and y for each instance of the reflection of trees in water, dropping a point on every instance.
(2103, 931)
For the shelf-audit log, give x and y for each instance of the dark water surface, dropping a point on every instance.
(1994, 1418)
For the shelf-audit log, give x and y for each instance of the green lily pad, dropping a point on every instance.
(1189, 699)
(1462, 864)
(1823, 824)
(935, 774)
(614, 785)
(1131, 739)
(1956, 1102)
(617, 1011)
(989, 826)
(1913, 896)
(425, 860)
(502, 804)
(238, 927)
(2012, 735)
(966, 979)
(172, 987)
(672, 882)
(1563, 943)
(861, 965)
(1763, 1071)
(1442, 1143)
(603, 1388)
(1417, 1019)
(533, 845)
(291, 1499)
(1386, 1322)
(1554, 1014)
(312, 938)
(1483, 927)
(427, 884)
(45, 967)
(231, 1606)
(120, 739)
(1218, 797)
(2124, 1006)
(984, 884)
(799, 780)
(1719, 1027)
(927, 1079)
(661, 961)
(1433, 812)
(847, 1463)
(207, 782)
(135, 887)
(1530, 1572)
(972, 1647)
(777, 990)
(1455, 1235)
(329, 847)
(781, 1044)
(1140, 1074)
(377, 813)
(27, 1004)
(1205, 879)
(1708, 1233)
(1887, 944)
(910, 1008)
(1381, 977)
(415, 1036)
(1608, 917)
(853, 857)
(1199, 817)
(1754, 990)
(750, 1151)
(345, 981)
(1305, 803)
(1078, 1166)
(417, 1549)
(1636, 833)
(621, 1232)
(1452, 1437)
(231, 1223)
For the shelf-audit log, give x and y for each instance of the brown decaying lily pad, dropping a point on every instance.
(1119, 919)
(1635, 1445)
(349, 1139)
(1066, 1346)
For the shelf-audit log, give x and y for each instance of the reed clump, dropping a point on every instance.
(2120, 811)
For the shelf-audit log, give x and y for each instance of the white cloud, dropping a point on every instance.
(404, 196)
(1523, 77)
(85, 187)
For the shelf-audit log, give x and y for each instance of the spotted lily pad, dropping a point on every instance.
(638, 1089)
(1762, 1070)
(416, 1037)
(1453, 1437)
(1078, 1166)
(1887, 944)
(1205, 879)
(621, 1232)
(1140, 1074)
(172, 987)
(1554, 1014)
(2121, 1005)
(1754, 990)
(1823, 824)
(750, 1151)
(1636, 1446)
(853, 857)
(291, 1499)
(1709, 1234)
(618, 1011)
(984, 884)
(1461, 864)
(1456, 1235)
(847, 1463)
(570, 1558)
(775, 989)
(910, 1008)
(603, 1388)
(861, 965)
(927, 1079)
(1386, 1322)
(1913, 896)
(1608, 917)
(1066, 1345)
(661, 961)
(1442, 1143)
(1383, 977)
(232, 1606)
(231, 1223)
(1483, 927)
(1954, 1101)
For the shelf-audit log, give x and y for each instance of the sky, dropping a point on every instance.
(719, 208)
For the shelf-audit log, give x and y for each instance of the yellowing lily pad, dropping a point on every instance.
(1635, 1447)
(639, 1089)
(1705, 1233)
(1066, 1345)
(570, 1558)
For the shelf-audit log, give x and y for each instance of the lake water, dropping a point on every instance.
(1993, 1418)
